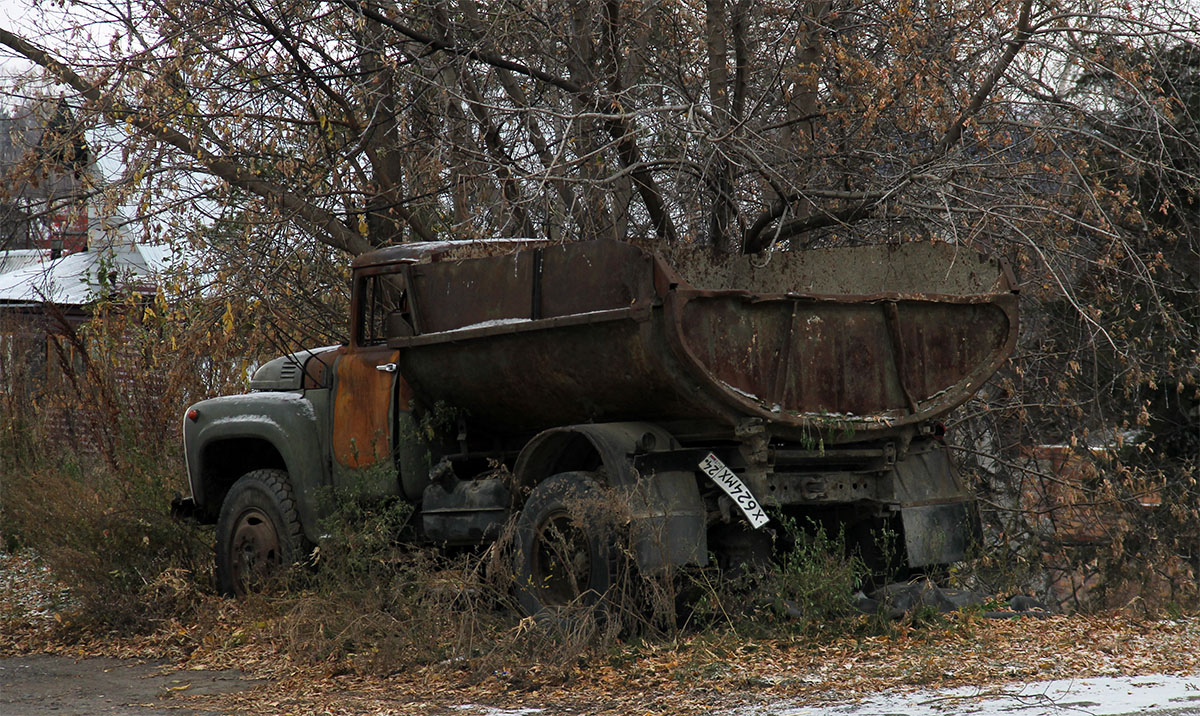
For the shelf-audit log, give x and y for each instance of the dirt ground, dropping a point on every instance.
(47, 684)
(44, 685)
(226, 662)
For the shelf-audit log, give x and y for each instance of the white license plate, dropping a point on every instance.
(735, 488)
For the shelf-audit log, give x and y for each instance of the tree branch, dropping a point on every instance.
(1020, 37)
(536, 138)
(289, 45)
(847, 215)
(329, 228)
(490, 132)
(620, 130)
(443, 46)
(754, 240)
(719, 171)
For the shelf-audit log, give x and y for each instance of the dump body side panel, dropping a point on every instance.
(604, 331)
(908, 269)
(605, 368)
(861, 362)
(539, 283)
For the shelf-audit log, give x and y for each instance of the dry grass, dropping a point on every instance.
(687, 674)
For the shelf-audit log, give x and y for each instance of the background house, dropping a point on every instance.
(60, 250)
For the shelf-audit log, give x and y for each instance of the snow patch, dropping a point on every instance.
(483, 324)
(741, 392)
(494, 711)
(1100, 696)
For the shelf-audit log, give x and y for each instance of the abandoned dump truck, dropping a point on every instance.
(492, 380)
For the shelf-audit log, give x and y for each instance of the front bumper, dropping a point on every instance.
(185, 508)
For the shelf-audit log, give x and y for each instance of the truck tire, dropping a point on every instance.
(566, 552)
(258, 532)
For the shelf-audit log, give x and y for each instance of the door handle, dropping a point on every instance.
(387, 367)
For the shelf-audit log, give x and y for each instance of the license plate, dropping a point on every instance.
(735, 488)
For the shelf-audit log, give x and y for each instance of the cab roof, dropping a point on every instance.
(433, 251)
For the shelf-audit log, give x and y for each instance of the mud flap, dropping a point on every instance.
(939, 534)
(939, 515)
(668, 522)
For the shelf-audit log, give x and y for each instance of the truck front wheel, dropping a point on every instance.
(258, 532)
(566, 552)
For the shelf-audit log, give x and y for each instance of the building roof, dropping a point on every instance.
(32, 277)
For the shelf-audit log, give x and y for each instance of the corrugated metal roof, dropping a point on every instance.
(18, 258)
(77, 279)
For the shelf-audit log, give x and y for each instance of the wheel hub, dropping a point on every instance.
(562, 561)
(254, 548)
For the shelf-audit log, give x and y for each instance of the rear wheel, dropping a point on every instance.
(258, 532)
(566, 554)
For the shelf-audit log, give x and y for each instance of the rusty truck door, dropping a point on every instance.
(368, 391)
(362, 407)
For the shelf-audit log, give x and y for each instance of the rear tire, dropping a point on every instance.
(566, 552)
(258, 532)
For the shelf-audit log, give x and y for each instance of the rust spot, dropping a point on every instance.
(362, 408)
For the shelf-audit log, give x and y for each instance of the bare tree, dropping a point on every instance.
(743, 126)
(1056, 132)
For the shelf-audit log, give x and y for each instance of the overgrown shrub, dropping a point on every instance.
(371, 603)
(1086, 527)
(89, 438)
(109, 537)
(816, 575)
(807, 586)
(374, 603)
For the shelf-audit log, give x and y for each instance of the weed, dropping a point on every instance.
(89, 441)
(377, 603)
(109, 538)
(807, 587)
(816, 577)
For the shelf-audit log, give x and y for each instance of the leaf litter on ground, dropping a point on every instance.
(692, 673)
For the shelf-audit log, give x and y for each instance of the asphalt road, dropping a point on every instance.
(46, 685)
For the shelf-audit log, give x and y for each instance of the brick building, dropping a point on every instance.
(59, 249)
(46, 175)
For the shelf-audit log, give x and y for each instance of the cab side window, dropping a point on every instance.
(382, 295)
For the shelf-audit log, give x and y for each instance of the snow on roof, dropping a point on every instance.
(76, 279)
(156, 258)
(17, 258)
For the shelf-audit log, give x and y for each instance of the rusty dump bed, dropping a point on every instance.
(858, 341)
